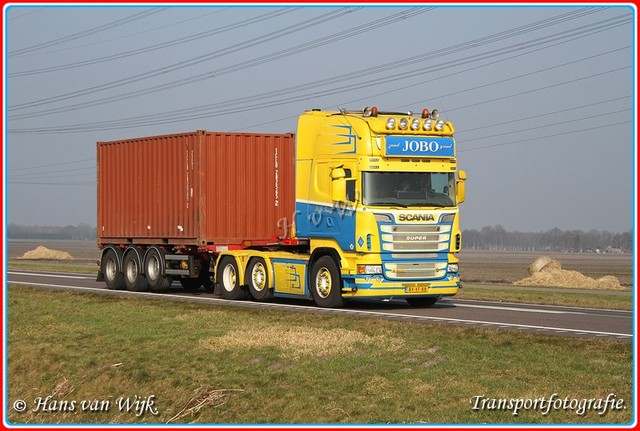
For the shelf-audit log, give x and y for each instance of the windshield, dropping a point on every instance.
(409, 189)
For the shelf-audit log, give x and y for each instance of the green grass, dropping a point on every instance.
(547, 296)
(54, 266)
(215, 364)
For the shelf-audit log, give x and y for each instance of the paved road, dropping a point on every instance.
(564, 321)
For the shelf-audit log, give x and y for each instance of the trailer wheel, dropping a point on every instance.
(133, 278)
(228, 278)
(422, 302)
(153, 269)
(326, 286)
(258, 279)
(110, 267)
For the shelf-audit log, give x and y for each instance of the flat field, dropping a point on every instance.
(484, 267)
(85, 358)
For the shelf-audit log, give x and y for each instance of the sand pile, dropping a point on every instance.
(545, 271)
(43, 253)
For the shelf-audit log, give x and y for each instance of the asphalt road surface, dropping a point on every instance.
(563, 321)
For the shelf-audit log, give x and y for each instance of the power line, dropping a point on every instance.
(183, 64)
(252, 101)
(423, 57)
(91, 31)
(538, 138)
(71, 162)
(545, 114)
(128, 35)
(155, 47)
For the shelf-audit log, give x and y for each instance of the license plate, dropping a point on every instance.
(416, 288)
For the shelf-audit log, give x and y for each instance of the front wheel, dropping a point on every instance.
(228, 278)
(326, 284)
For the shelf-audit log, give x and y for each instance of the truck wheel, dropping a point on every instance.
(228, 279)
(422, 302)
(258, 279)
(111, 270)
(326, 285)
(133, 278)
(153, 269)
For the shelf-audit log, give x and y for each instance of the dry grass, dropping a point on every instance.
(295, 343)
(548, 272)
(44, 253)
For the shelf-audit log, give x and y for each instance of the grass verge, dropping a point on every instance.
(548, 296)
(190, 363)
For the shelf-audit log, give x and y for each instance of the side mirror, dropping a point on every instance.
(338, 185)
(460, 186)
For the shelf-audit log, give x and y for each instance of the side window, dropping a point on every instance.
(351, 186)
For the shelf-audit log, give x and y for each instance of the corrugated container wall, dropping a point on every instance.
(201, 188)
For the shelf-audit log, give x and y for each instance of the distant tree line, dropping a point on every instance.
(497, 238)
(79, 232)
(487, 238)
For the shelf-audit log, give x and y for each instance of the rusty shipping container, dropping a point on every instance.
(196, 189)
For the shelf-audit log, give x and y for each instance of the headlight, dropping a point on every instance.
(369, 269)
(391, 123)
(452, 267)
(415, 124)
(428, 124)
(439, 125)
(404, 123)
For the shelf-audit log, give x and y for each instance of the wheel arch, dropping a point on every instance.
(320, 252)
(117, 250)
(141, 257)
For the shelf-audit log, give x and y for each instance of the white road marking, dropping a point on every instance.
(42, 274)
(338, 311)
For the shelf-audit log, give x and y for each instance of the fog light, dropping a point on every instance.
(452, 267)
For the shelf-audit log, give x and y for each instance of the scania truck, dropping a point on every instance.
(354, 205)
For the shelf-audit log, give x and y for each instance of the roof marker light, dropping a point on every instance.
(435, 114)
(425, 113)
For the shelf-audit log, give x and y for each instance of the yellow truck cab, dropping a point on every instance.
(376, 214)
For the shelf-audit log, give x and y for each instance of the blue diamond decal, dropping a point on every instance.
(360, 242)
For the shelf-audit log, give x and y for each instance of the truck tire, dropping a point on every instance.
(131, 269)
(228, 279)
(422, 302)
(326, 284)
(257, 279)
(153, 264)
(110, 268)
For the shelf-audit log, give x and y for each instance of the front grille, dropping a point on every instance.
(428, 238)
(415, 270)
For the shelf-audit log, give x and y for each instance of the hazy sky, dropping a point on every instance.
(542, 98)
